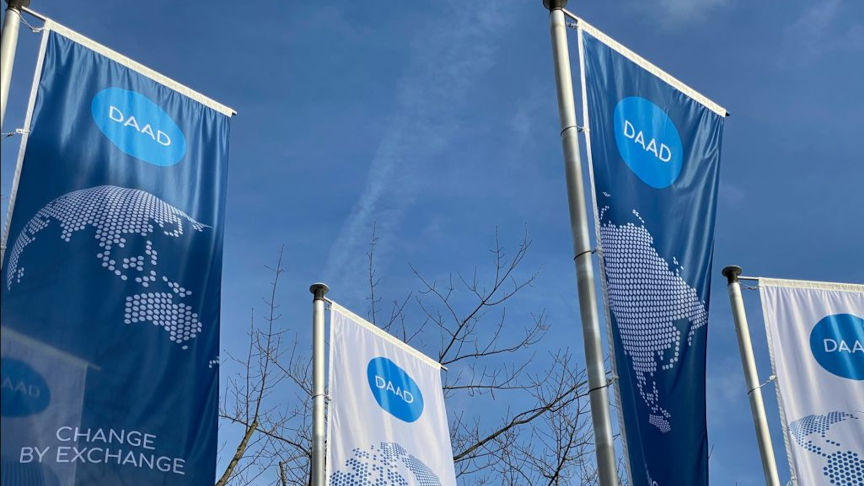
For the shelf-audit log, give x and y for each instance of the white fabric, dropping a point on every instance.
(822, 410)
(367, 444)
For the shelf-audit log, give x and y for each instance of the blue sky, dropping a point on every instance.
(437, 122)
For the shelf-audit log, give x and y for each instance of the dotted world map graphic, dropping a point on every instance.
(118, 216)
(387, 464)
(653, 306)
(815, 433)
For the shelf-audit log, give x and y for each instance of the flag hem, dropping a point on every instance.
(809, 284)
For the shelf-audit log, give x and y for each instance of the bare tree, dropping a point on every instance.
(542, 437)
(253, 399)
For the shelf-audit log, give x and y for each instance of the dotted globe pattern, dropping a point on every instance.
(652, 305)
(159, 309)
(842, 467)
(118, 213)
(388, 464)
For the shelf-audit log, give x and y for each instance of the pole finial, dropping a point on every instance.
(554, 4)
(17, 4)
(731, 273)
(318, 289)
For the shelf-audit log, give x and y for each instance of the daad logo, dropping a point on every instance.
(23, 391)
(648, 141)
(837, 343)
(138, 126)
(394, 390)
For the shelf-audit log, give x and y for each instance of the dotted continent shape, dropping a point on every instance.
(842, 467)
(388, 464)
(118, 213)
(653, 307)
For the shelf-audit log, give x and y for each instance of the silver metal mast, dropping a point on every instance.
(754, 390)
(599, 391)
(318, 430)
(8, 44)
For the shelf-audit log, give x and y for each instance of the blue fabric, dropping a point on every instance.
(655, 154)
(114, 260)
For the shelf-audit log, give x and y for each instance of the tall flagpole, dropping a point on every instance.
(599, 391)
(754, 389)
(8, 43)
(318, 430)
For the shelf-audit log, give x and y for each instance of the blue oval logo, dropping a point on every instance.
(23, 391)
(648, 141)
(837, 344)
(394, 390)
(138, 126)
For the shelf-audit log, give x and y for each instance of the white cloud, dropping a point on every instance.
(447, 57)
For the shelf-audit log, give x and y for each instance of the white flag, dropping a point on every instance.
(816, 338)
(386, 424)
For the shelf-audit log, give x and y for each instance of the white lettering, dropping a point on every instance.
(629, 130)
(163, 464)
(84, 435)
(78, 454)
(132, 122)
(133, 438)
(163, 138)
(90, 456)
(841, 346)
(380, 383)
(149, 131)
(665, 153)
(32, 391)
(407, 396)
(62, 451)
(61, 439)
(27, 454)
(130, 458)
(652, 147)
(117, 456)
(112, 111)
(158, 136)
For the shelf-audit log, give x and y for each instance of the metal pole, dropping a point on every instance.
(8, 44)
(754, 390)
(318, 431)
(599, 391)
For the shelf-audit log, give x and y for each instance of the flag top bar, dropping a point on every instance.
(647, 65)
(385, 335)
(807, 284)
(133, 65)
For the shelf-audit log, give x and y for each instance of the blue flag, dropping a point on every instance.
(111, 277)
(654, 146)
